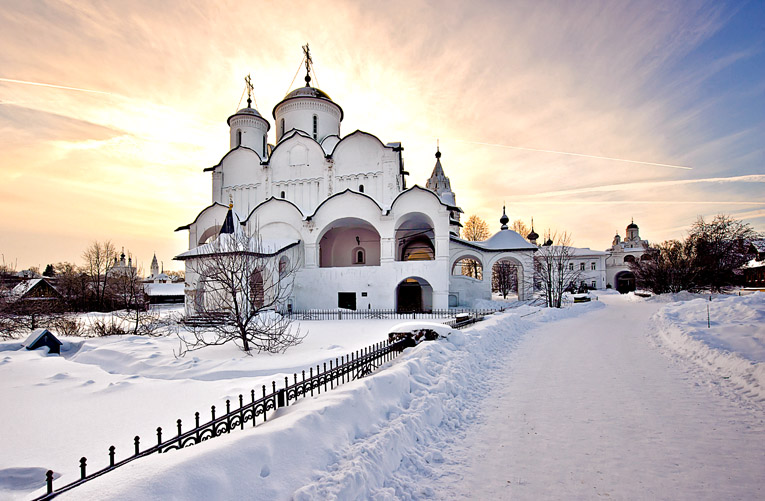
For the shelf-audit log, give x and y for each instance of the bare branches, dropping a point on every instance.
(99, 261)
(554, 270)
(240, 288)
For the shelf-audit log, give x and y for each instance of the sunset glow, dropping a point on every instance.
(580, 115)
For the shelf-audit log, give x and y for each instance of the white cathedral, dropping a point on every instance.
(341, 205)
(341, 208)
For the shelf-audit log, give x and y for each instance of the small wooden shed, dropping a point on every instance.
(43, 337)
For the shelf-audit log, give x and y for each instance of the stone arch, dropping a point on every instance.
(629, 258)
(340, 241)
(414, 295)
(624, 281)
(415, 237)
(468, 264)
(209, 234)
(519, 273)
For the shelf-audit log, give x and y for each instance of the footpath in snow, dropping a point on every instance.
(588, 407)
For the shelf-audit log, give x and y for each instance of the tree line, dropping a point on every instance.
(709, 258)
(101, 284)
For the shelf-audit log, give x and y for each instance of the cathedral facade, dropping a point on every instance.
(340, 204)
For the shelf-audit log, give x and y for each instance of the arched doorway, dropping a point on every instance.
(505, 278)
(414, 295)
(625, 282)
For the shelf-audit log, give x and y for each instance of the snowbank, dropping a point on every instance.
(732, 347)
(430, 389)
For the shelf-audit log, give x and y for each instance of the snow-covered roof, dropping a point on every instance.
(584, 251)
(24, 287)
(754, 264)
(169, 289)
(37, 334)
(225, 243)
(503, 240)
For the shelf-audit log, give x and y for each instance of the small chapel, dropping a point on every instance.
(340, 208)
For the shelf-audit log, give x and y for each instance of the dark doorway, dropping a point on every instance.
(625, 282)
(409, 297)
(346, 300)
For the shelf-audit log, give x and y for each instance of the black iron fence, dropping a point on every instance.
(323, 378)
(335, 314)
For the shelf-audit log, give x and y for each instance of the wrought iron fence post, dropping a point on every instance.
(286, 396)
(49, 481)
(241, 412)
(265, 404)
(159, 439)
(136, 442)
(111, 456)
(310, 376)
(280, 398)
(83, 465)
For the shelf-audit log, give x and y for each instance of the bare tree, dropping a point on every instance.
(475, 229)
(667, 268)
(520, 227)
(134, 313)
(242, 286)
(554, 269)
(504, 278)
(72, 283)
(99, 262)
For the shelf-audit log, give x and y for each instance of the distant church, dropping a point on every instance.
(341, 204)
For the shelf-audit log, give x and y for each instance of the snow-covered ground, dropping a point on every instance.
(532, 403)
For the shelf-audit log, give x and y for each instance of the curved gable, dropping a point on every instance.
(289, 135)
(358, 153)
(275, 218)
(230, 152)
(348, 192)
(416, 189)
(296, 158)
(203, 211)
(355, 135)
(281, 205)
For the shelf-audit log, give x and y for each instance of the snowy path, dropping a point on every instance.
(588, 407)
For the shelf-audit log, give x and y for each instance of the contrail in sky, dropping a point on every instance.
(575, 154)
(10, 80)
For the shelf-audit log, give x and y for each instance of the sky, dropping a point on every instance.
(136, 96)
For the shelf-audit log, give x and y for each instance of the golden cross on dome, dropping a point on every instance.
(248, 83)
(308, 64)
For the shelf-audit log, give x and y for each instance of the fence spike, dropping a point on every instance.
(179, 427)
(111, 456)
(49, 480)
(331, 376)
(159, 437)
(212, 411)
(136, 443)
(83, 466)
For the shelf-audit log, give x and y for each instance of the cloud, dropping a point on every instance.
(36, 125)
